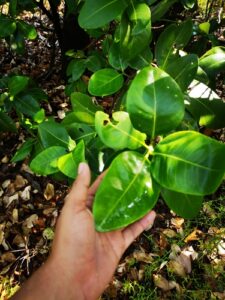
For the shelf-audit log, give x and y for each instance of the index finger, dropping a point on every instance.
(93, 189)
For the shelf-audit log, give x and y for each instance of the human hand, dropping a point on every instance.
(83, 261)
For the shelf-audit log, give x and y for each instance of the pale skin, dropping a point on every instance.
(82, 260)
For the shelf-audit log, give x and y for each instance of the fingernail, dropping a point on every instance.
(81, 168)
(151, 218)
(149, 227)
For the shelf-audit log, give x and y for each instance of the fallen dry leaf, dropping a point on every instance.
(184, 257)
(142, 256)
(177, 222)
(176, 267)
(163, 243)
(169, 233)
(19, 241)
(25, 194)
(2, 233)
(194, 236)
(6, 183)
(15, 215)
(7, 257)
(163, 283)
(49, 191)
(8, 200)
(221, 248)
(19, 182)
(5, 159)
(30, 221)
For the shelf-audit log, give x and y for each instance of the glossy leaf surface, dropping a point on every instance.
(161, 8)
(76, 68)
(181, 163)
(84, 108)
(53, 134)
(213, 61)
(68, 163)
(142, 60)
(45, 163)
(118, 133)
(24, 150)
(95, 14)
(7, 26)
(208, 113)
(126, 193)
(28, 30)
(17, 84)
(105, 82)
(139, 14)
(116, 59)
(79, 131)
(6, 123)
(174, 36)
(134, 36)
(26, 104)
(155, 102)
(183, 70)
(186, 206)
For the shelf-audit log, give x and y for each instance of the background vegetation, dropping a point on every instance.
(63, 61)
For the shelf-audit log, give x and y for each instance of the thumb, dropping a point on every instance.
(77, 196)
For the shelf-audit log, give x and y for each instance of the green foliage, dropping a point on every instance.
(105, 82)
(155, 102)
(126, 194)
(160, 80)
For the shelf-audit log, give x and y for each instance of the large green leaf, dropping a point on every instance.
(84, 108)
(79, 131)
(186, 206)
(116, 59)
(118, 133)
(189, 162)
(6, 123)
(183, 70)
(68, 163)
(46, 162)
(95, 14)
(189, 3)
(208, 113)
(17, 84)
(142, 60)
(76, 68)
(126, 193)
(173, 37)
(53, 134)
(7, 26)
(27, 30)
(159, 10)
(105, 82)
(139, 14)
(24, 150)
(206, 106)
(133, 36)
(155, 102)
(213, 61)
(26, 104)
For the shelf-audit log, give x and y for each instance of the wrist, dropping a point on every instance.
(49, 283)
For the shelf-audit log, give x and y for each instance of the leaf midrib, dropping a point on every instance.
(123, 194)
(99, 10)
(109, 82)
(125, 133)
(51, 134)
(185, 161)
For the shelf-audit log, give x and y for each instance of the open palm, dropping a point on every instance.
(89, 257)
